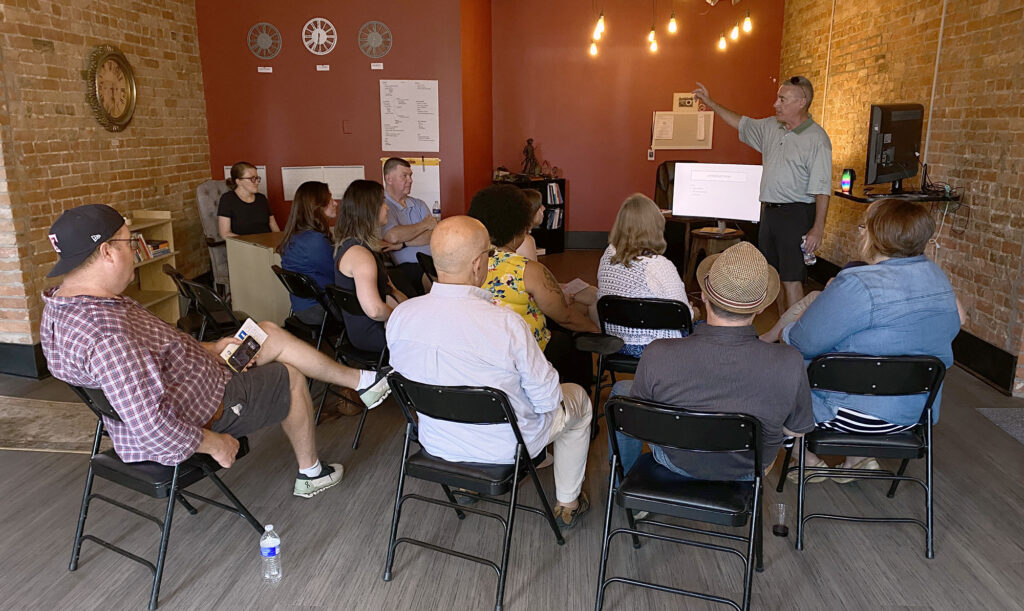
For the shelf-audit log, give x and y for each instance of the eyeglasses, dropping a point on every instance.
(133, 240)
(253, 179)
(861, 227)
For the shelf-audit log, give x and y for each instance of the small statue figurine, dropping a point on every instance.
(530, 165)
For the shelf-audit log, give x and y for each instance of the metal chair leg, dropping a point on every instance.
(81, 521)
(896, 482)
(604, 540)
(452, 499)
(595, 426)
(549, 514)
(359, 429)
(398, 506)
(800, 497)
(162, 553)
(752, 546)
(188, 506)
(507, 544)
(929, 500)
(784, 471)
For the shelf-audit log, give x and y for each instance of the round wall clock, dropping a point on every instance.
(319, 36)
(110, 87)
(264, 40)
(374, 39)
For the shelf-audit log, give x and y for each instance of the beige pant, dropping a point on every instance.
(570, 432)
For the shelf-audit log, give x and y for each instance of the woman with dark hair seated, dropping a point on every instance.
(528, 287)
(244, 210)
(359, 267)
(900, 303)
(306, 246)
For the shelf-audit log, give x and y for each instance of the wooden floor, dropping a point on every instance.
(334, 544)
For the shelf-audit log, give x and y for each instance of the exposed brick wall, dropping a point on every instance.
(884, 52)
(56, 156)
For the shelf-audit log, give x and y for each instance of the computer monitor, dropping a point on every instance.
(894, 144)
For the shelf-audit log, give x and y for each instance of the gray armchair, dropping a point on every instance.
(207, 197)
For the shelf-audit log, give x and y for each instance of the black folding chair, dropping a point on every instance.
(152, 479)
(881, 376)
(427, 263)
(303, 287)
(638, 313)
(191, 320)
(465, 405)
(218, 317)
(339, 301)
(651, 487)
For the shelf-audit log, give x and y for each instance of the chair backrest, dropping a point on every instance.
(676, 427)
(343, 300)
(299, 285)
(178, 278)
(664, 182)
(643, 313)
(462, 404)
(211, 305)
(862, 374)
(207, 198)
(427, 263)
(96, 401)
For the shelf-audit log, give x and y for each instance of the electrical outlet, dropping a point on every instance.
(650, 154)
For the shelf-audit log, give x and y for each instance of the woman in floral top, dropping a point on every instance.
(528, 287)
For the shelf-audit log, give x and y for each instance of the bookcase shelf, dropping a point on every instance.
(152, 288)
(551, 239)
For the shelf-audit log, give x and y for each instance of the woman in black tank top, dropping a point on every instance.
(359, 266)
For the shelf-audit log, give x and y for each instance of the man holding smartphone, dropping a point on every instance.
(175, 396)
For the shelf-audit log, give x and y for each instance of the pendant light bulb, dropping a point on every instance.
(721, 43)
(673, 27)
(654, 46)
(747, 25)
(597, 33)
(600, 23)
(650, 35)
(735, 32)
(593, 48)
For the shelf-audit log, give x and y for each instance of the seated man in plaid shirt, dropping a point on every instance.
(175, 396)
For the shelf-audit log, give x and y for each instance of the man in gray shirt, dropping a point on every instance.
(724, 367)
(795, 183)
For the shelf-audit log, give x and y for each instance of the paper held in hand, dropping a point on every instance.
(238, 356)
(574, 286)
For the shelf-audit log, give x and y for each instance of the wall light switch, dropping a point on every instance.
(650, 154)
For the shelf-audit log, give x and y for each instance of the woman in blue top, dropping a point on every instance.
(359, 266)
(306, 246)
(901, 303)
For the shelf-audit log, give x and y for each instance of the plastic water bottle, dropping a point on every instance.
(270, 552)
(809, 257)
(437, 210)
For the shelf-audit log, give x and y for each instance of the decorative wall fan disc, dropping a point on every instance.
(264, 40)
(374, 39)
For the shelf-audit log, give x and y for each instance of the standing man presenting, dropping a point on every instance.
(795, 182)
(409, 226)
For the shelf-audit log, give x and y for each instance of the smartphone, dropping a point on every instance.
(243, 354)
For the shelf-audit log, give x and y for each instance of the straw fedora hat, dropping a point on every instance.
(739, 280)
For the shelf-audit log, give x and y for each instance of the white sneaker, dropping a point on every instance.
(308, 487)
(375, 394)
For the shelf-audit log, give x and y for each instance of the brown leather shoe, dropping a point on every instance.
(349, 403)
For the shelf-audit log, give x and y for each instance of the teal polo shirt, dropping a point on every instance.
(796, 163)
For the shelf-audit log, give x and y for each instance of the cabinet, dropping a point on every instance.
(551, 234)
(152, 288)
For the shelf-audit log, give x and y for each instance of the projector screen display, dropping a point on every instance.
(718, 191)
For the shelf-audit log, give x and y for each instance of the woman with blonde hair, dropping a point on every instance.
(634, 265)
(359, 267)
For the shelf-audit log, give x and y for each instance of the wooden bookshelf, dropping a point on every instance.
(152, 288)
(550, 238)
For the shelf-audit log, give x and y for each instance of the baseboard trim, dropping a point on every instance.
(586, 240)
(24, 360)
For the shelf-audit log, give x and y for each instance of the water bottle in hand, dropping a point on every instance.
(270, 553)
(809, 257)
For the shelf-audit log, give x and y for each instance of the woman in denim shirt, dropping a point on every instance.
(901, 303)
(306, 245)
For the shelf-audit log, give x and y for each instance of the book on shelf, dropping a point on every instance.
(157, 248)
(554, 195)
(554, 220)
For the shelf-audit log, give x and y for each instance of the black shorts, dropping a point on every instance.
(779, 238)
(254, 399)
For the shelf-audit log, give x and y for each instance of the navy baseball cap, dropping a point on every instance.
(79, 232)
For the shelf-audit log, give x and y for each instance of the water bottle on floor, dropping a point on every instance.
(270, 553)
(809, 257)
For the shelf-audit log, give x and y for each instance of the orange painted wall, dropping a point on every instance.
(298, 116)
(476, 96)
(591, 116)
